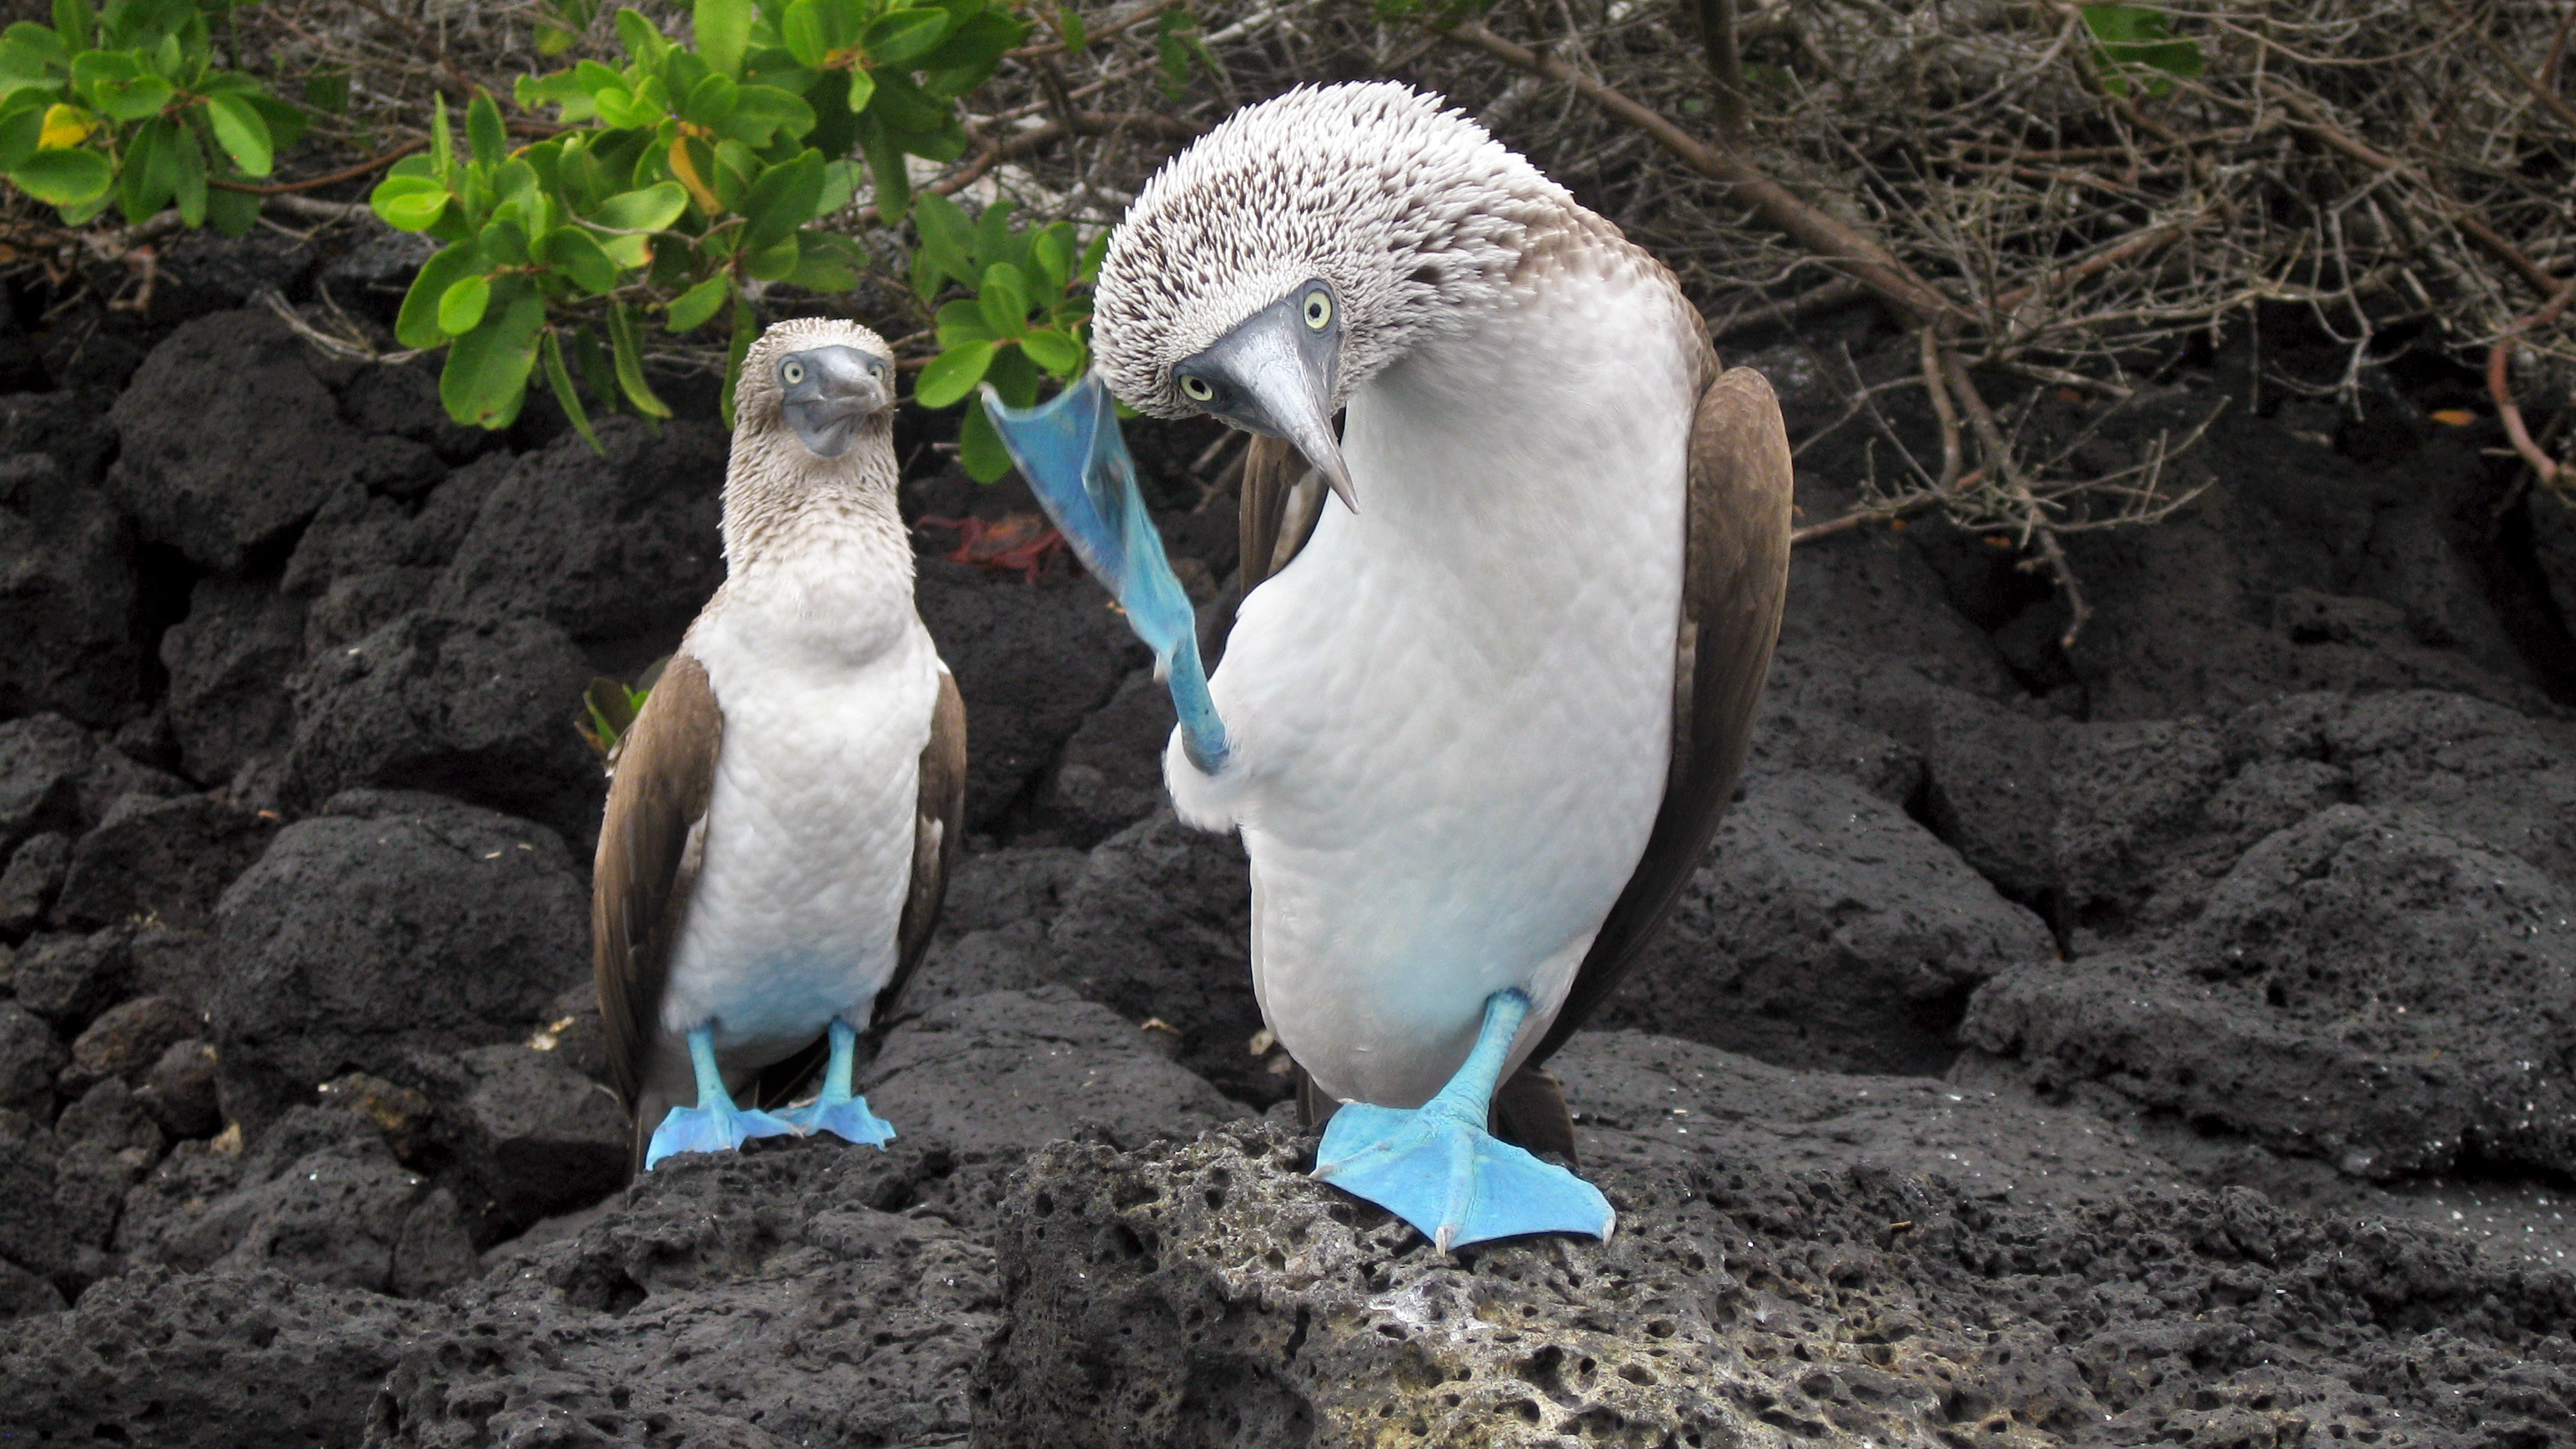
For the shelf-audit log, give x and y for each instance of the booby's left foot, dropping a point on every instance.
(1070, 451)
(839, 1111)
(1437, 1167)
(715, 1124)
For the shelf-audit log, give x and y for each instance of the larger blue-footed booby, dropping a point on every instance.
(1478, 720)
(787, 805)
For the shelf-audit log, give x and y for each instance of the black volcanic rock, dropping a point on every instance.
(163, 859)
(388, 922)
(231, 442)
(69, 596)
(228, 663)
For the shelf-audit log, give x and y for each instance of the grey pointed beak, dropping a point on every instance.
(1284, 375)
(830, 393)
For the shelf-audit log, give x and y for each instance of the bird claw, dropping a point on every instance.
(1455, 1182)
(717, 1127)
(848, 1119)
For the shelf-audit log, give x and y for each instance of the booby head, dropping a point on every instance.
(818, 383)
(1294, 252)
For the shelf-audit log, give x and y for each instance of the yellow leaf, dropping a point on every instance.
(2454, 417)
(65, 127)
(687, 175)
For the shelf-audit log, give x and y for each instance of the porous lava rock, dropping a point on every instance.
(201, 1361)
(1826, 930)
(607, 544)
(389, 922)
(481, 709)
(69, 592)
(1032, 660)
(165, 859)
(228, 663)
(1212, 1292)
(230, 442)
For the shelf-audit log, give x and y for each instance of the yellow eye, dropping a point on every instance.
(1319, 311)
(792, 373)
(1198, 389)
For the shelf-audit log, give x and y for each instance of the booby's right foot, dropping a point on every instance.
(838, 1110)
(1070, 451)
(715, 1124)
(1437, 1167)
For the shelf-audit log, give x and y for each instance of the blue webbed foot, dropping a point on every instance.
(1436, 1167)
(718, 1127)
(848, 1119)
(1076, 462)
(839, 1111)
(715, 1124)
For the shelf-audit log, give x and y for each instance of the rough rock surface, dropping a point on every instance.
(1816, 879)
(1211, 1292)
(391, 922)
(68, 595)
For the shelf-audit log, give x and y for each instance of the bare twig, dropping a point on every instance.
(2500, 385)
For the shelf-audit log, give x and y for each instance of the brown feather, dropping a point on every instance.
(939, 839)
(1734, 583)
(640, 878)
(1281, 497)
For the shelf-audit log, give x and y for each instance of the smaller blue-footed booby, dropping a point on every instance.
(785, 809)
(1477, 719)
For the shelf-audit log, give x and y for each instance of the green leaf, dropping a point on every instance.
(962, 322)
(327, 91)
(885, 168)
(761, 113)
(746, 326)
(187, 159)
(642, 39)
(1052, 251)
(1004, 298)
(801, 32)
(19, 132)
(863, 89)
(64, 178)
(461, 306)
(1015, 377)
(143, 181)
(1091, 258)
(504, 241)
(840, 187)
(483, 131)
(132, 100)
(286, 124)
(772, 263)
(710, 101)
(232, 213)
(563, 88)
(241, 132)
(577, 255)
(968, 57)
(901, 106)
(782, 200)
(827, 263)
(631, 251)
(650, 209)
(979, 447)
(993, 233)
(630, 362)
(952, 374)
(486, 376)
(1068, 23)
(77, 23)
(442, 142)
(409, 203)
(565, 397)
(902, 36)
(1052, 350)
(693, 308)
(723, 31)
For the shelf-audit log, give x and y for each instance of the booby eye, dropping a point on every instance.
(1198, 390)
(1319, 311)
(791, 372)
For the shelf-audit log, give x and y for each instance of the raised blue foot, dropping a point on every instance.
(1437, 1167)
(1070, 451)
(838, 1111)
(715, 1124)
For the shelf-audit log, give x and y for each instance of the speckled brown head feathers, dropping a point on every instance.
(1413, 213)
(773, 482)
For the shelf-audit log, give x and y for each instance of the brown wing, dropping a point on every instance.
(939, 838)
(666, 769)
(1734, 582)
(1281, 500)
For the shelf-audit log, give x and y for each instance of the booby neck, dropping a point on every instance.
(820, 556)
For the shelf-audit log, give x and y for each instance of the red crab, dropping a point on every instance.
(1018, 543)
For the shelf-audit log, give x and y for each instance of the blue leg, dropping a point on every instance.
(838, 1111)
(715, 1124)
(1437, 1167)
(1070, 451)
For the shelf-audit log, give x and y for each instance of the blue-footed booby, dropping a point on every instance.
(1478, 719)
(786, 807)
